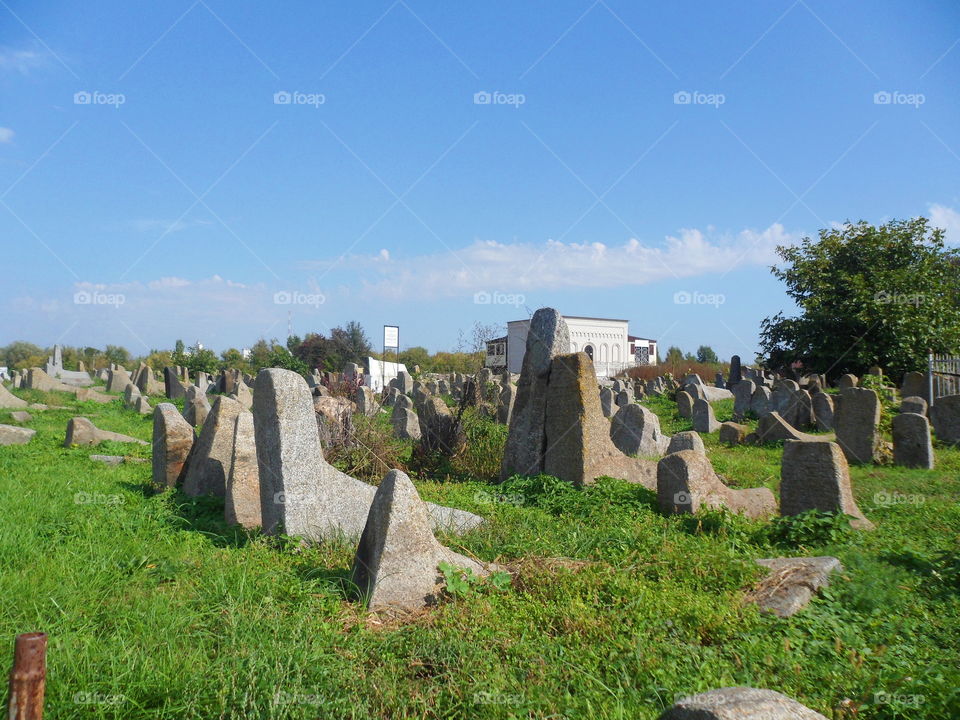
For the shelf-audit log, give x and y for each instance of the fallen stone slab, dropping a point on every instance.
(300, 491)
(686, 482)
(740, 703)
(792, 583)
(80, 431)
(21, 416)
(396, 564)
(91, 394)
(732, 433)
(117, 459)
(9, 400)
(772, 428)
(15, 435)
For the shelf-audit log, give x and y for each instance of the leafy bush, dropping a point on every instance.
(367, 449)
(812, 528)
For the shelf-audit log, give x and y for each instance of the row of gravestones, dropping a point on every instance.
(268, 465)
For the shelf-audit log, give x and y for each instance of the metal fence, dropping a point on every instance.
(943, 375)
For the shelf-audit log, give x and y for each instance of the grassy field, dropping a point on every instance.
(156, 609)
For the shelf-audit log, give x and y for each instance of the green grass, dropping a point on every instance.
(156, 609)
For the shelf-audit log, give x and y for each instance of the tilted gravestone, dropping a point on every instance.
(397, 559)
(209, 465)
(578, 444)
(173, 439)
(911, 441)
(760, 402)
(687, 440)
(299, 491)
(685, 404)
(635, 430)
(607, 402)
(742, 395)
(242, 502)
(547, 337)
(823, 411)
(815, 476)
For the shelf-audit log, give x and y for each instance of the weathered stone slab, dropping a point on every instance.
(406, 424)
(173, 439)
(607, 402)
(732, 433)
(703, 418)
(242, 503)
(815, 476)
(914, 404)
(823, 411)
(396, 561)
(211, 459)
(792, 583)
(856, 423)
(773, 428)
(688, 440)
(760, 402)
(847, 381)
(911, 441)
(15, 435)
(685, 404)
(742, 395)
(508, 395)
(945, 415)
(9, 400)
(686, 482)
(578, 444)
(740, 703)
(117, 381)
(547, 337)
(197, 408)
(635, 430)
(299, 491)
(915, 384)
(80, 431)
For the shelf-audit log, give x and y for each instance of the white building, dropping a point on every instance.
(606, 340)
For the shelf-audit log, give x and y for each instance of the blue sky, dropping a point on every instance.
(203, 169)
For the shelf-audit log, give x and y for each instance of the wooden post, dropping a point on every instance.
(28, 677)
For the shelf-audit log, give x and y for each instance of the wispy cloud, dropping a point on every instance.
(558, 265)
(948, 219)
(6, 135)
(20, 61)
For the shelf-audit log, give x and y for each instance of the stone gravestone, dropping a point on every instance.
(242, 502)
(815, 476)
(945, 415)
(547, 337)
(396, 564)
(635, 430)
(406, 424)
(915, 385)
(578, 444)
(703, 418)
(742, 395)
(209, 465)
(688, 440)
(847, 381)
(856, 423)
(914, 404)
(911, 441)
(607, 402)
(686, 482)
(823, 411)
(685, 404)
(760, 402)
(508, 395)
(735, 372)
(300, 491)
(172, 441)
(173, 388)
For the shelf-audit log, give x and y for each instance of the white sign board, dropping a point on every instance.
(391, 336)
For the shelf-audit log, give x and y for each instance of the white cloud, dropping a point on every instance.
(21, 61)
(948, 219)
(558, 265)
(6, 135)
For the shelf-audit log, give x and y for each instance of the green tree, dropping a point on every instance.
(179, 356)
(416, 356)
(204, 360)
(674, 355)
(705, 354)
(867, 296)
(312, 351)
(118, 355)
(16, 352)
(347, 344)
